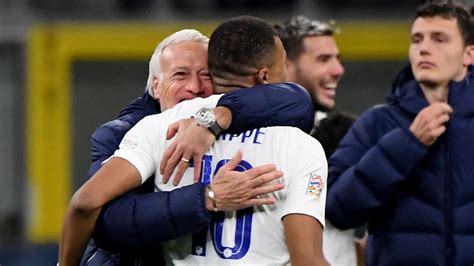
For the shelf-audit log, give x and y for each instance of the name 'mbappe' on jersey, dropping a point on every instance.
(255, 136)
(254, 235)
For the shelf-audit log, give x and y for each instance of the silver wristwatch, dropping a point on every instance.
(205, 117)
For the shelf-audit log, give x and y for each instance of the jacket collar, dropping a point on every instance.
(408, 94)
(141, 106)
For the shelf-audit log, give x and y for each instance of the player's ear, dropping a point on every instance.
(156, 88)
(262, 76)
(468, 58)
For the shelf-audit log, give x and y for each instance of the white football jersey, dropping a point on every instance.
(254, 235)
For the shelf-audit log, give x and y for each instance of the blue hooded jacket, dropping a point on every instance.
(128, 224)
(418, 201)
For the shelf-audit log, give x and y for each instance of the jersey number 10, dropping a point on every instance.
(243, 227)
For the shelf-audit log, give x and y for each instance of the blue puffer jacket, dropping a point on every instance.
(128, 225)
(418, 201)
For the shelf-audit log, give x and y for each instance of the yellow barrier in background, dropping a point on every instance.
(53, 48)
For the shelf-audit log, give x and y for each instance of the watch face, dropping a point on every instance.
(205, 117)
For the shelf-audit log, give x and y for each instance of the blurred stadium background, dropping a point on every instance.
(69, 65)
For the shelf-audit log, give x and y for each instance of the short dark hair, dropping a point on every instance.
(293, 30)
(241, 45)
(450, 10)
(332, 129)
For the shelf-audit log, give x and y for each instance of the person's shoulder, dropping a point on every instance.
(189, 107)
(210, 101)
(284, 85)
(139, 107)
(292, 135)
(376, 112)
(111, 128)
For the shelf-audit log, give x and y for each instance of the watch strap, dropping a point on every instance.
(215, 129)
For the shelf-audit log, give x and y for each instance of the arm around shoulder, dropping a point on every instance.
(137, 221)
(280, 104)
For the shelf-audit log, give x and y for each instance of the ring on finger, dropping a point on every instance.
(184, 160)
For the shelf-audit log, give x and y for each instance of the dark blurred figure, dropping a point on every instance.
(329, 133)
(332, 129)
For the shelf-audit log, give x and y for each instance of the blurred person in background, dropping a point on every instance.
(408, 164)
(332, 129)
(313, 62)
(178, 71)
(269, 72)
(329, 133)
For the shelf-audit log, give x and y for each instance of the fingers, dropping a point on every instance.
(197, 167)
(266, 189)
(181, 167)
(436, 110)
(255, 202)
(437, 132)
(260, 170)
(443, 107)
(164, 160)
(443, 119)
(179, 172)
(232, 163)
(249, 203)
(171, 164)
(178, 165)
(265, 178)
(261, 201)
(172, 129)
(430, 122)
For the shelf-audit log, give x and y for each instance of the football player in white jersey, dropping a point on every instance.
(255, 235)
(243, 52)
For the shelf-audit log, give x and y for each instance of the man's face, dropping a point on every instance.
(184, 74)
(318, 69)
(437, 52)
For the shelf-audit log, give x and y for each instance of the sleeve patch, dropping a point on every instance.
(315, 186)
(130, 143)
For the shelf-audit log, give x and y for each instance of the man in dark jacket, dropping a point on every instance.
(407, 167)
(122, 216)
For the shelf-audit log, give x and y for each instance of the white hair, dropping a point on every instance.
(182, 36)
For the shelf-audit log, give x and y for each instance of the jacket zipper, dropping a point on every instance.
(448, 198)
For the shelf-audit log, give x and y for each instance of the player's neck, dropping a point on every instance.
(231, 83)
(433, 94)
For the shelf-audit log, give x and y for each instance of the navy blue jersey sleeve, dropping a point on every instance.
(141, 221)
(281, 104)
(140, 218)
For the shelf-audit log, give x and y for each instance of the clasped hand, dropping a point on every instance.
(233, 190)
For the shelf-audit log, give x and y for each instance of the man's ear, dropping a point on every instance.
(156, 88)
(263, 76)
(470, 55)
